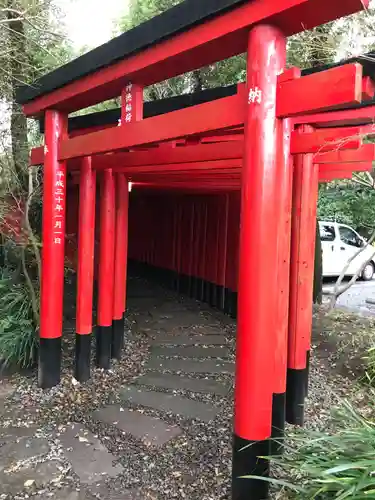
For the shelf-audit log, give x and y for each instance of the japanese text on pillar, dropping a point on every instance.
(59, 208)
(128, 103)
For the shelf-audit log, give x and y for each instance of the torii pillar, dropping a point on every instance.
(257, 298)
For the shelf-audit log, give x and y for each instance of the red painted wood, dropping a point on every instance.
(121, 246)
(305, 197)
(53, 235)
(321, 141)
(348, 117)
(322, 91)
(86, 247)
(365, 153)
(283, 214)
(215, 115)
(106, 249)
(131, 103)
(255, 334)
(368, 88)
(290, 74)
(217, 39)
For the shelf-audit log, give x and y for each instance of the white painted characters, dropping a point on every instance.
(59, 208)
(255, 95)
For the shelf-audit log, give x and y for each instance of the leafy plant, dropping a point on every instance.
(337, 466)
(18, 339)
(370, 368)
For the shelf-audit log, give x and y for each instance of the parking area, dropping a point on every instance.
(355, 298)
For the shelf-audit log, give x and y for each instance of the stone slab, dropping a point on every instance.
(188, 366)
(181, 319)
(8, 434)
(13, 453)
(152, 431)
(191, 352)
(168, 403)
(90, 460)
(187, 340)
(13, 482)
(204, 330)
(66, 494)
(176, 382)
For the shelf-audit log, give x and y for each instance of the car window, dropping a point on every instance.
(349, 237)
(327, 232)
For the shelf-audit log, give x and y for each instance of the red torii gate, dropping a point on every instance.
(214, 147)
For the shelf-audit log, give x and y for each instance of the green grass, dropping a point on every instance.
(337, 466)
(18, 339)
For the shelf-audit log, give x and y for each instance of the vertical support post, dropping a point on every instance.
(85, 269)
(223, 258)
(191, 247)
(106, 268)
(283, 235)
(257, 262)
(120, 265)
(305, 197)
(52, 286)
(131, 111)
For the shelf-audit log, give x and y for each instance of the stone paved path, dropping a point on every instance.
(154, 435)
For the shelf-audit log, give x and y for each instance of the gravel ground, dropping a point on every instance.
(196, 465)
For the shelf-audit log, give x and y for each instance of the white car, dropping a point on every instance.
(339, 243)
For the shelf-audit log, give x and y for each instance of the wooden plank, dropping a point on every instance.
(217, 115)
(327, 90)
(365, 153)
(321, 141)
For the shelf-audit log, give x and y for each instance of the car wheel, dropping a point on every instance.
(368, 272)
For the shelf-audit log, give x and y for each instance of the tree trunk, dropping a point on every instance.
(18, 124)
(318, 269)
(197, 81)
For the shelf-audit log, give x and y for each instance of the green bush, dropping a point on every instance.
(18, 339)
(337, 466)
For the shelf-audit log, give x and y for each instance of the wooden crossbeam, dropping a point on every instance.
(326, 140)
(326, 90)
(217, 115)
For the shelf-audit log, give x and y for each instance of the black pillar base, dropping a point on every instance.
(190, 286)
(295, 396)
(103, 346)
(212, 294)
(198, 288)
(278, 424)
(118, 328)
(184, 284)
(233, 305)
(49, 366)
(206, 292)
(83, 357)
(220, 298)
(227, 301)
(246, 462)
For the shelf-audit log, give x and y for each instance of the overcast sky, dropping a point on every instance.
(90, 22)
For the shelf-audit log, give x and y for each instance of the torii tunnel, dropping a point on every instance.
(225, 186)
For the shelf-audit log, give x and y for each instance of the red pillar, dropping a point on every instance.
(283, 235)
(85, 269)
(52, 286)
(120, 266)
(257, 263)
(106, 269)
(305, 197)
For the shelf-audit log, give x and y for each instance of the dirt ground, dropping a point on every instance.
(49, 440)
